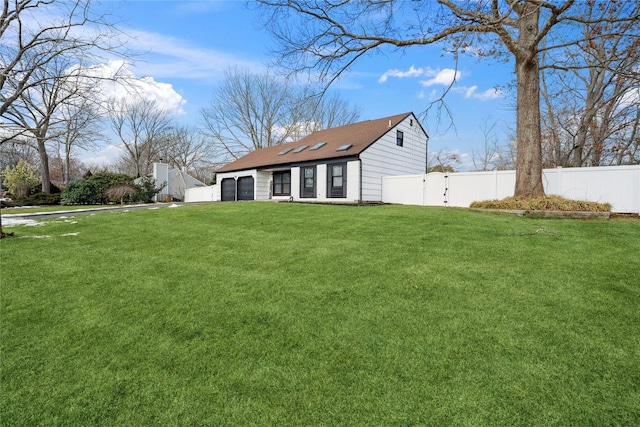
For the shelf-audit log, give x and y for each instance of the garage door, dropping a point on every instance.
(245, 188)
(228, 190)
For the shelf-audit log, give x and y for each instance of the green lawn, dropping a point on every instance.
(236, 314)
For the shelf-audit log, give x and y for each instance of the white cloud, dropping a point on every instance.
(130, 86)
(493, 93)
(103, 156)
(437, 77)
(444, 77)
(411, 72)
(631, 97)
(469, 92)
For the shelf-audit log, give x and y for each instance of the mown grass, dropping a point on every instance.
(288, 314)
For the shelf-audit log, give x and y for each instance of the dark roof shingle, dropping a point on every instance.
(358, 135)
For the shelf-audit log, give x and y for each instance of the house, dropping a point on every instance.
(342, 164)
(174, 182)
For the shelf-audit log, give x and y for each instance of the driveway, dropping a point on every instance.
(25, 217)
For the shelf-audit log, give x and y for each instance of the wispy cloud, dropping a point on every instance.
(102, 156)
(171, 57)
(411, 72)
(443, 77)
(471, 93)
(431, 78)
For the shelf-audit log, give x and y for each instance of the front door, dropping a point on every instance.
(308, 181)
(337, 180)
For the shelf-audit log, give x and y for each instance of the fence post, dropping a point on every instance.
(424, 189)
(559, 189)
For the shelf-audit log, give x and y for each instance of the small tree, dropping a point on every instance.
(147, 188)
(121, 191)
(80, 192)
(22, 174)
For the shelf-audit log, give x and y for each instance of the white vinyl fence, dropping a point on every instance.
(617, 185)
(210, 193)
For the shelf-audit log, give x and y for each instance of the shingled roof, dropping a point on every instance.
(357, 136)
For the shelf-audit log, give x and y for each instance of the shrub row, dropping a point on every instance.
(91, 190)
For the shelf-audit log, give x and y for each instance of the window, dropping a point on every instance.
(308, 181)
(344, 147)
(336, 176)
(337, 180)
(285, 151)
(318, 145)
(299, 149)
(282, 183)
(399, 138)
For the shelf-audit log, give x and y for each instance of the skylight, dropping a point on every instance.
(299, 149)
(344, 147)
(285, 151)
(318, 145)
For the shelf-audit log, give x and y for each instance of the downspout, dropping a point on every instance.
(426, 171)
(360, 161)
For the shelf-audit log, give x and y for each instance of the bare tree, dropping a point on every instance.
(443, 161)
(591, 97)
(187, 148)
(81, 125)
(486, 158)
(11, 152)
(141, 127)
(33, 33)
(251, 111)
(53, 109)
(323, 111)
(328, 37)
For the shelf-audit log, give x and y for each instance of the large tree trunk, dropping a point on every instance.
(66, 176)
(529, 144)
(44, 160)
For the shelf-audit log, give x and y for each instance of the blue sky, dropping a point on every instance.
(188, 45)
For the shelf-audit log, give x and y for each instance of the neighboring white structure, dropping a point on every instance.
(342, 164)
(174, 182)
(617, 185)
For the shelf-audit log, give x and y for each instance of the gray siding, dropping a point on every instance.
(385, 158)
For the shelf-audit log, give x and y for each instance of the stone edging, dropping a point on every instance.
(548, 214)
